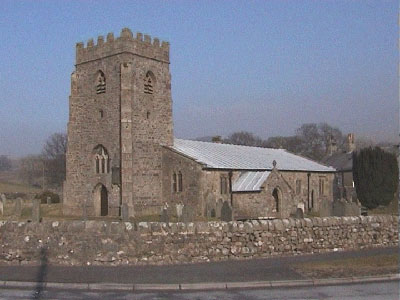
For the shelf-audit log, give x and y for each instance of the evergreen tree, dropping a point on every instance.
(376, 176)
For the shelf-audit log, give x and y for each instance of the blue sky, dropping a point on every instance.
(261, 66)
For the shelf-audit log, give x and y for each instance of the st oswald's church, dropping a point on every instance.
(123, 159)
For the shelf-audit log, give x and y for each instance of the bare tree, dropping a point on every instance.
(31, 169)
(54, 151)
(55, 146)
(244, 138)
(5, 163)
(315, 138)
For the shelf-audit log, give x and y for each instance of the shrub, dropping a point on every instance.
(376, 176)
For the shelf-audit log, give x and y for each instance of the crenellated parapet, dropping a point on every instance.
(142, 45)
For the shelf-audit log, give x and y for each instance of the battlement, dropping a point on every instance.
(142, 45)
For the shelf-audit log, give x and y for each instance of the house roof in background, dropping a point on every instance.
(226, 156)
(341, 161)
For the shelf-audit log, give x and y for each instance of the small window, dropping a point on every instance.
(148, 115)
(101, 114)
(224, 185)
(174, 183)
(180, 187)
(321, 186)
(298, 187)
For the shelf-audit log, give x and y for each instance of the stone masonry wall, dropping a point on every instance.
(124, 243)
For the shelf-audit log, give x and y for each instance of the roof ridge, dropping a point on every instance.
(235, 145)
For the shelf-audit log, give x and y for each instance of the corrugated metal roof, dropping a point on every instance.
(226, 156)
(250, 181)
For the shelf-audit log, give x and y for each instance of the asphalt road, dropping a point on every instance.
(269, 269)
(366, 291)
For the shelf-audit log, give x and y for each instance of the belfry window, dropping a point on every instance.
(149, 82)
(102, 162)
(100, 83)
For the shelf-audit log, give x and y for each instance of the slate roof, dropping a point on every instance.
(340, 161)
(234, 157)
(250, 181)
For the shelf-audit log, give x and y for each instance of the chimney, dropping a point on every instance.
(350, 143)
(332, 146)
(217, 139)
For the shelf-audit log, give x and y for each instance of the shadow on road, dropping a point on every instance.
(41, 275)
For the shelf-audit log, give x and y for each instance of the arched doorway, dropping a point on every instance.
(101, 200)
(275, 194)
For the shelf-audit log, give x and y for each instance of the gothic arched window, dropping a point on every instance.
(275, 194)
(100, 83)
(102, 162)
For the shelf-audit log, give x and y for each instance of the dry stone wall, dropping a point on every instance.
(125, 243)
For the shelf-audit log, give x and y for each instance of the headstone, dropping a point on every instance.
(187, 214)
(2, 201)
(18, 207)
(299, 213)
(36, 210)
(164, 216)
(226, 212)
(125, 212)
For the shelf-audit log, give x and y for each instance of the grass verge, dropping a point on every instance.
(363, 266)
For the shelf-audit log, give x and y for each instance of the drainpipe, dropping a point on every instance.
(230, 187)
(308, 190)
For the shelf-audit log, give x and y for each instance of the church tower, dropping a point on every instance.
(120, 116)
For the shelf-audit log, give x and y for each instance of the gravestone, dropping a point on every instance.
(187, 214)
(299, 213)
(36, 210)
(226, 212)
(179, 209)
(125, 212)
(17, 208)
(164, 216)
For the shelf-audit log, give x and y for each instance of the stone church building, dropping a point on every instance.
(123, 159)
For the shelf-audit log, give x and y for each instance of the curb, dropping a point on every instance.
(197, 286)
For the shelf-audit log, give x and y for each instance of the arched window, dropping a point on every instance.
(180, 183)
(149, 83)
(102, 162)
(100, 82)
(275, 194)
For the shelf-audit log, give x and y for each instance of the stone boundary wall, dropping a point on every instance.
(123, 243)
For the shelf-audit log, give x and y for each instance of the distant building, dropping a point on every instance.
(123, 160)
(344, 190)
